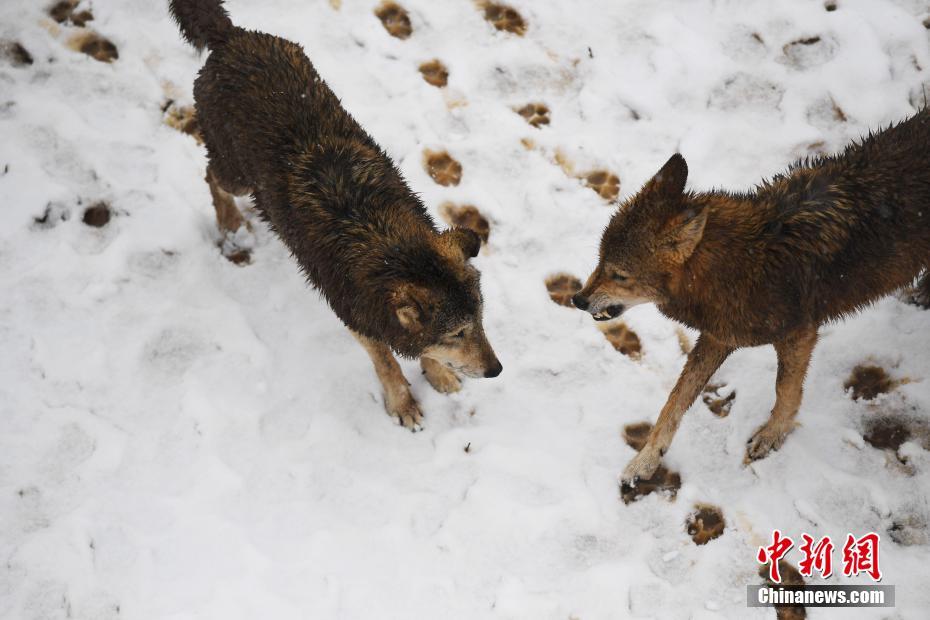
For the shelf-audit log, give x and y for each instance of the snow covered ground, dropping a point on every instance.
(182, 437)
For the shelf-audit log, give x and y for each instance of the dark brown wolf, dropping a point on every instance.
(823, 240)
(273, 129)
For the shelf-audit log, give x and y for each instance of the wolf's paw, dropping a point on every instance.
(642, 467)
(443, 379)
(663, 481)
(237, 246)
(442, 168)
(767, 438)
(404, 407)
(395, 19)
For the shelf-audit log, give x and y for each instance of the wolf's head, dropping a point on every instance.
(438, 307)
(646, 245)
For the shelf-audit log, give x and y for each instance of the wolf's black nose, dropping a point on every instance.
(494, 370)
(580, 302)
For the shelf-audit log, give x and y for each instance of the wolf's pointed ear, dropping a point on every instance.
(669, 181)
(412, 306)
(461, 240)
(683, 232)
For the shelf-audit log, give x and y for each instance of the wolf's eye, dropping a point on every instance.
(459, 334)
(619, 277)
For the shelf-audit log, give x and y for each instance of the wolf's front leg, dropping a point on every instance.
(441, 378)
(794, 356)
(398, 400)
(703, 362)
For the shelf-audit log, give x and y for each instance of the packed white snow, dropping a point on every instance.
(182, 437)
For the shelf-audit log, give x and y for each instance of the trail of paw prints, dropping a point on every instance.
(467, 216)
(663, 481)
(442, 167)
(395, 19)
(503, 17)
(97, 215)
(705, 524)
(435, 73)
(68, 14)
(719, 399)
(888, 422)
(603, 182)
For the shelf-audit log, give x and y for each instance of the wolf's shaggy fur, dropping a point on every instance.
(823, 240)
(273, 129)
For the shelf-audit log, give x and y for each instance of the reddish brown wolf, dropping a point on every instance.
(273, 129)
(821, 241)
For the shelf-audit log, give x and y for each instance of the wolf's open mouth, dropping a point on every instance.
(610, 312)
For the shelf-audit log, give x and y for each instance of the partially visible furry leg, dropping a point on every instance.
(794, 356)
(228, 219)
(441, 378)
(703, 362)
(398, 401)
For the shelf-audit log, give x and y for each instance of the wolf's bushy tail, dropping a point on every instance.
(204, 23)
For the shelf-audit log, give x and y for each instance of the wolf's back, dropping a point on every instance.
(204, 23)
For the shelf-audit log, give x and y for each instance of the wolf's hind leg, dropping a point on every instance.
(703, 361)
(442, 379)
(794, 356)
(228, 217)
(398, 401)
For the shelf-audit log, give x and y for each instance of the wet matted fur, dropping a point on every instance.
(273, 129)
(825, 239)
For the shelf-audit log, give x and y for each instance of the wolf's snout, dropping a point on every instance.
(580, 301)
(495, 369)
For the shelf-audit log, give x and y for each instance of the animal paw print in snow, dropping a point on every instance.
(623, 339)
(718, 399)
(443, 168)
(467, 216)
(705, 524)
(535, 114)
(606, 184)
(435, 73)
(395, 18)
(505, 18)
(561, 287)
